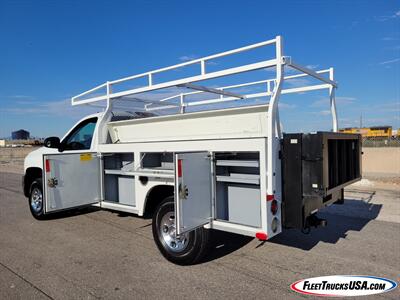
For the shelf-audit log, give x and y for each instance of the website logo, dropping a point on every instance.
(343, 285)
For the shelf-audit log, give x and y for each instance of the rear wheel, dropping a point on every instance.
(189, 248)
(36, 199)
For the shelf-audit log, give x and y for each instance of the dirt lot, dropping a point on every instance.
(12, 159)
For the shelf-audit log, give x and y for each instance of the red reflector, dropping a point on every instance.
(179, 168)
(262, 236)
(47, 166)
(270, 197)
(274, 207)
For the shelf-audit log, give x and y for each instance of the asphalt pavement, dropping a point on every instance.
(103, 254)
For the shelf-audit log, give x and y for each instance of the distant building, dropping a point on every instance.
(2, 143)
(20, 135)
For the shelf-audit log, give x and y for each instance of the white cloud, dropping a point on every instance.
(339, 100)
(188, 57)
(321, 112)
(389, 38)
(376, 121)
(388, 17)
(395, 47)
(389, 107)
(312, 67)
(22, 97)
(324, 112)
(54, 108)
(391, 61)
(298, 82)
(345, 99)
(349, 122)
(283, 105)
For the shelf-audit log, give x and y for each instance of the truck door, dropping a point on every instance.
(193, 192)
(71, 180)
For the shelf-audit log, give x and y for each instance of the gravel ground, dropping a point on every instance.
(103, 254)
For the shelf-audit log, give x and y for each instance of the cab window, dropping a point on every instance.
(81, 137)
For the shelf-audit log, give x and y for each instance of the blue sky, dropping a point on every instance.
(52, 50)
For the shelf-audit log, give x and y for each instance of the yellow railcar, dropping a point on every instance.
(371, 132)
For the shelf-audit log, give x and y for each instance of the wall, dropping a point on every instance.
(381, 162)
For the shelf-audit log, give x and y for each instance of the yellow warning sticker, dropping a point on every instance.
(86, 157)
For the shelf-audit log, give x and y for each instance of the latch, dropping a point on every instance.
(183, 192)
(52, 182)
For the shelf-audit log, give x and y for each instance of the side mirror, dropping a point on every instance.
(52, 142)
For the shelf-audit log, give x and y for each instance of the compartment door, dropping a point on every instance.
(193, 196)
(71, 180)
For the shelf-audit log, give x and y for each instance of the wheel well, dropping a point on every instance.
(30, 175)
(155, 196)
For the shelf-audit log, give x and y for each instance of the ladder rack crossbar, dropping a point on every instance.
(209, 101)
(228, 99)
(311, 73)
(224, 88)
(210, 90)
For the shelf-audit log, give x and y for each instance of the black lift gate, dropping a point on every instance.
(315, 169)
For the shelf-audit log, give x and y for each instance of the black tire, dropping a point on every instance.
(192, 248)
(35, 204)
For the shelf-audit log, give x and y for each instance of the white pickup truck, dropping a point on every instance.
(201, 156)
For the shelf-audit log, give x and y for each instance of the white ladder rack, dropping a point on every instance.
(224, 93)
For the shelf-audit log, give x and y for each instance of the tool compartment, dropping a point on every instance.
(237, 182)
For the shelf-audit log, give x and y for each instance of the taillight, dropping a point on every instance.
(179, 168)
(47, 166)
(274, 207)
(270, 197)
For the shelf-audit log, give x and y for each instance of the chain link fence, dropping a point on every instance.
(380, 142)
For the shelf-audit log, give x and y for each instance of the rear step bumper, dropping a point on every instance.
(315, 169)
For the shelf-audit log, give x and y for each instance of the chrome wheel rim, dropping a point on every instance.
(168, 234)
(36, 200)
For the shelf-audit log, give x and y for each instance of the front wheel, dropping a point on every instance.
(36, 199)
(187, 249)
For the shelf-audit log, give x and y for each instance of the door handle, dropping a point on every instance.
(52, 182)
(183, 192)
